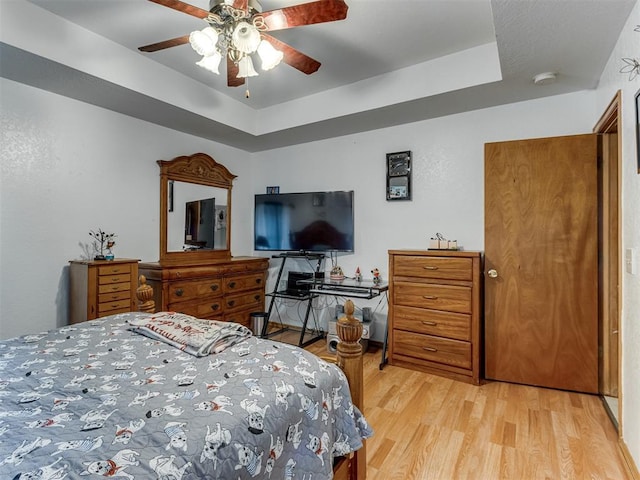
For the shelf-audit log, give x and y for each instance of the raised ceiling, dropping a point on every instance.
(389, 62)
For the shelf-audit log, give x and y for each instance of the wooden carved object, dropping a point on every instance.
(145, 296)
(349, 352)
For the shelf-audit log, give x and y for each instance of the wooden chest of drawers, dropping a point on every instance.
(435, 317)
(226, 290)
(100, 288)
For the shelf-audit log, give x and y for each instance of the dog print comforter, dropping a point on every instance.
(98, 400)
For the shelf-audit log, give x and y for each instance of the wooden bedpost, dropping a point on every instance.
(349, 352)
(145, 296)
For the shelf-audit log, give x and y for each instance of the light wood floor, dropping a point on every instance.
(429, 427)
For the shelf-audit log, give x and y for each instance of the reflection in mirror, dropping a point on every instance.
(197, 217)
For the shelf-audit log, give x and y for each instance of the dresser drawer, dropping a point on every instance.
(184, 291)
(433, 322)
(243, 300)
(451, 298)
(114, 269)
(435, 349)
(114, 287)
(203, 309)
(445, 268)
(243, 317)
(114, 278)
(243, 282)
(107, 308)
(113, 296)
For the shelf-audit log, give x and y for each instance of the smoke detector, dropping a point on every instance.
(545, 78)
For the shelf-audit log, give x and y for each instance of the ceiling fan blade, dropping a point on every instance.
(293, 57)
(183, 7)
(174, 42)
(319, 11)
(232, 74)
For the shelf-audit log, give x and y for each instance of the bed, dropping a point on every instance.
(110, 398)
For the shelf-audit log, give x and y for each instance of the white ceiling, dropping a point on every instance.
(389, 62)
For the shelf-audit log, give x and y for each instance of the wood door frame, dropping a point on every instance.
(610, 271)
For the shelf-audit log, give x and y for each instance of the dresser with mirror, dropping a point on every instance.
(196, 273)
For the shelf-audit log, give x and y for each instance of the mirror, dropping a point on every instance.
(196, 217)
(195, 210)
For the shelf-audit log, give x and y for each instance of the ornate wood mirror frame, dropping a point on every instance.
(198, 169)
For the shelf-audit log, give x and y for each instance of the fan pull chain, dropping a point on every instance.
(247, 93)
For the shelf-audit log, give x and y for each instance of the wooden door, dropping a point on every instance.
(541, 240)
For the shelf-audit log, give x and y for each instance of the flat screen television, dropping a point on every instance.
(311, 222)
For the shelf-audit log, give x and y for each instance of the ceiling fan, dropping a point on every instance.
(238, 28)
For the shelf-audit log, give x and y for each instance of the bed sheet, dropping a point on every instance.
(95, 399)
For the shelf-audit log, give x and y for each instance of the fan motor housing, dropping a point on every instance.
(254, 5)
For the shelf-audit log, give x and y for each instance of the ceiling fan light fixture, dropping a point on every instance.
(269, 56)
(245, 37)
(245, 68)
(211, 62)
(204, 41)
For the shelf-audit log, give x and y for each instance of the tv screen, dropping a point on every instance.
(312, 221)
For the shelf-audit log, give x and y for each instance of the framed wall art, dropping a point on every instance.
(399, 176)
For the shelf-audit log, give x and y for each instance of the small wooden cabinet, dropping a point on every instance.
(435, 312)
(228, 290)
(99, 288)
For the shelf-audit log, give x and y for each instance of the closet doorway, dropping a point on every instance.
(609, 294)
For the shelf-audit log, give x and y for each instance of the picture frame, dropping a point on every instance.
(637, 104)
(399, 175)
(273, 190)
(170, 196)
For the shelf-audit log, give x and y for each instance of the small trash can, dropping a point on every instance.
(257, 322)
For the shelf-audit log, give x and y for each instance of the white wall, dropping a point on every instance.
(447, 183)
(611, 81)
(66, 168)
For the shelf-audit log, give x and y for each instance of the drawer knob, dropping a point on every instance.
(430, 349)
(258, 281)
(256, 297)
(215, 306)
(179, 292)
(427, 322)
(232, 284)
(430, 297)
(214, 287)
(231, 303)
(428, 267)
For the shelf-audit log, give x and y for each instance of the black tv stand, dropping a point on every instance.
(300, 254)
(308, 297)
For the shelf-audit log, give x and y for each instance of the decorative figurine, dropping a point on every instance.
(376, 276)
(103, 240)
(336, 273)
(358, 276)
